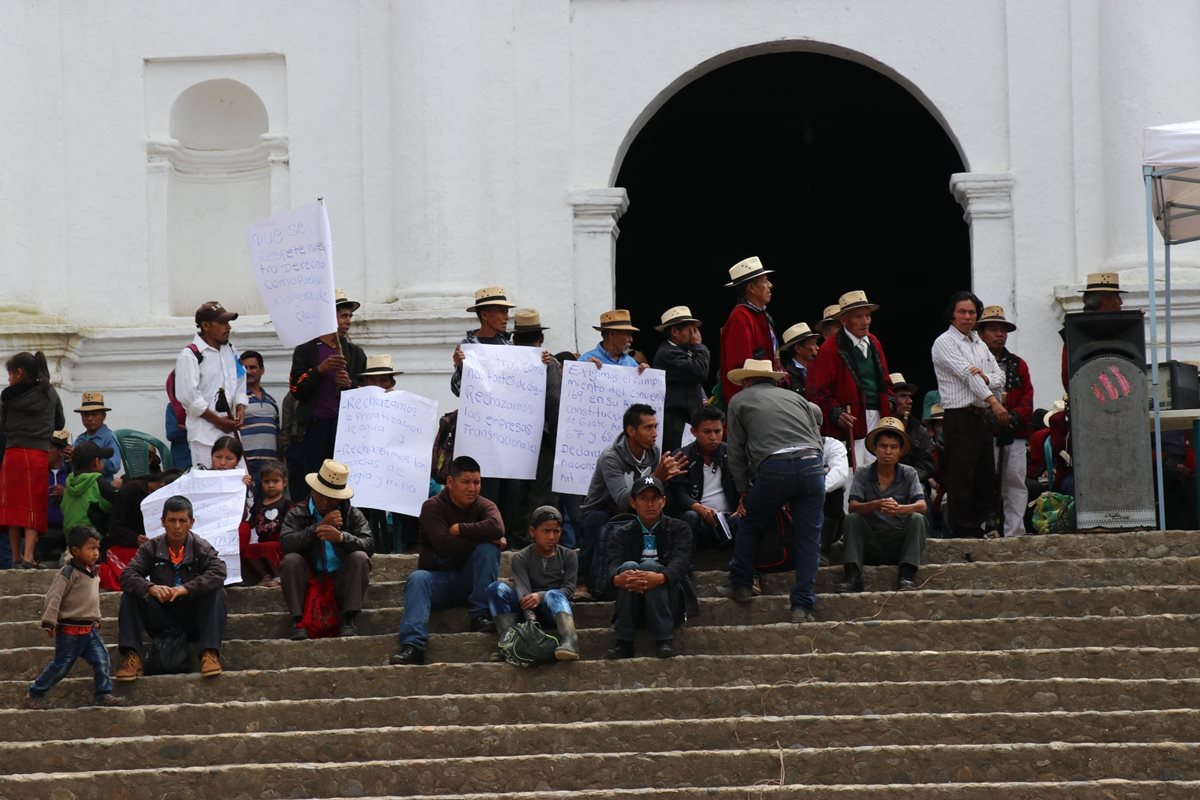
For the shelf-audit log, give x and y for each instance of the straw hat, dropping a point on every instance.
(899, 384)
(491, 296)
(830, 318)
(796, 334)
(61, 439)
(528, 320)
(340, 299)
(995, 314)
(379, 366)
(1058, 407)
(616, 320)
(677, 315)
(889, 425)
(1103, 282)
(753, 368)
(92, 401)
(936, 412)
(851, 301)
(746, 270)
(332, 480)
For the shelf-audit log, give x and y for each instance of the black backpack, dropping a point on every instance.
(599, 584)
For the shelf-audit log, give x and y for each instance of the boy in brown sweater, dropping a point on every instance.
(72, 618)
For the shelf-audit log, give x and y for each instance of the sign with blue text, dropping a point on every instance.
(502, 407)
(292, 258)
(218, 498)
(386, 438)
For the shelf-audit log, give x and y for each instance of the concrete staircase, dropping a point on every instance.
(1045, 667)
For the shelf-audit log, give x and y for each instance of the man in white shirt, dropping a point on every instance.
(210, 382)
(971, 384)
(838, 477)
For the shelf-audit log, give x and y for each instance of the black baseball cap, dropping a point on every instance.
(212, 311)
(647, 482)
(86, 452)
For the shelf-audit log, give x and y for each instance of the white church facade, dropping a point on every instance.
(464, 143)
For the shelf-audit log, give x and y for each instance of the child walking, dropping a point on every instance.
(72, 619)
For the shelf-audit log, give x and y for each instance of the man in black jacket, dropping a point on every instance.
(321, 369)
(648, 561)
(329, 537)
(705, 493)
(176, 581)
(686, 361)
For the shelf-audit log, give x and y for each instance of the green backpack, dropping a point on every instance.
(527, 645)
(1053, 512)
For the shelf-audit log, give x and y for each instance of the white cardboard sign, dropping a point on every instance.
(218, 504)
(502, 409)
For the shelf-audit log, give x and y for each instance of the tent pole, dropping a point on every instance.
(1148, 174)
(1167, 281)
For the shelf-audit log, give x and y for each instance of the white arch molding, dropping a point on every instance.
(986, 198)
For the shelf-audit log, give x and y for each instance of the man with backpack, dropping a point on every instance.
(209, 382)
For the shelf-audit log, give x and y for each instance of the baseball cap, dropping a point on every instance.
(647, 482)
(212, 311)
(542, 514)
(86, 452)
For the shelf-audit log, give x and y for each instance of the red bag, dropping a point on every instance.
(115, 561)
(321, 618)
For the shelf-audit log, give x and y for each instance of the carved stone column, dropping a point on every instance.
(986, 199)
(595, 254)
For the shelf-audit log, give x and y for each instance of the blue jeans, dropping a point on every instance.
(800, 484)
(427, 591)
(660, 606)
(68, 649)
(502, 599)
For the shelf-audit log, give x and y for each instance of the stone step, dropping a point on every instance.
(594, 705)
(932, 604)
(1053, 762)
(496, 738)
(1017, 633)
(1106, 789)
(816, 669)
(25, 602)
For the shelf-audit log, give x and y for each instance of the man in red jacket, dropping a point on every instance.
(850, 379)
(1012, 440)
(749, 333)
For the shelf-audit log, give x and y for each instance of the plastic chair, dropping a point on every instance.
(135, 451)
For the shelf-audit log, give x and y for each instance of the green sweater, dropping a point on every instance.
(83, 489)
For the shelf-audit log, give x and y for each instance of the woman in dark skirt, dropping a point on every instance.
(30, 412)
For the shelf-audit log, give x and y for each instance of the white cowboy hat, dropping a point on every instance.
(1103, 282)
(379, 366)
(676, 316)
(491, 296)
(746, 270)
(889, 425)
(753, 368)
(332, 480)
(616, 320)
(851, 301)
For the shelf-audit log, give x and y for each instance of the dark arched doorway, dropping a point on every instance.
(831, 172)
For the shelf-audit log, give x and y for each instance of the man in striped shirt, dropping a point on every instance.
(971, 384)
(260, 431)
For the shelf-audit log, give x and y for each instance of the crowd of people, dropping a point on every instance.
(799, 440)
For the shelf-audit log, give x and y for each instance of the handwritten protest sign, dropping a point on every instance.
(589, 416)
(386, 438)
(218, 503)
(292, 257)
(502, 410)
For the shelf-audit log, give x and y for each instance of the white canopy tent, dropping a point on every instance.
(1171, 169)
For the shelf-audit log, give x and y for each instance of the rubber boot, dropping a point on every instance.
(503, 623)
(568, 639)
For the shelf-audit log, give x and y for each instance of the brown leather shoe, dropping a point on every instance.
(210, 665)
(131, 668)
(110, 701)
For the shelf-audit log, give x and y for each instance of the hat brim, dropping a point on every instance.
(354, 305)
(857, 306)
(314, 483)
(905, 446)
(905, 386)
(530, 328)
(748, 278)
(671, 323)
(626, 328)
(82, 409)
(501, 303)
(380, 374)
(793, 342)
(1116, 289)
(645, 489)
(737, 376)
(1008, 326)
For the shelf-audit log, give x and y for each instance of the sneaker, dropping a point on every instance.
(482, 625)
(409, 655)
(35, 703)
(210, 665)
(110, 701)
(298, 634)
(131, 668)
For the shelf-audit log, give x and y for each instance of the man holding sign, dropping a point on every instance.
(321, 370)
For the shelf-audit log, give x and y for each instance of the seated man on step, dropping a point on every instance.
(461, 537)
(544, 576)
(887, 522)
(648, 561)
